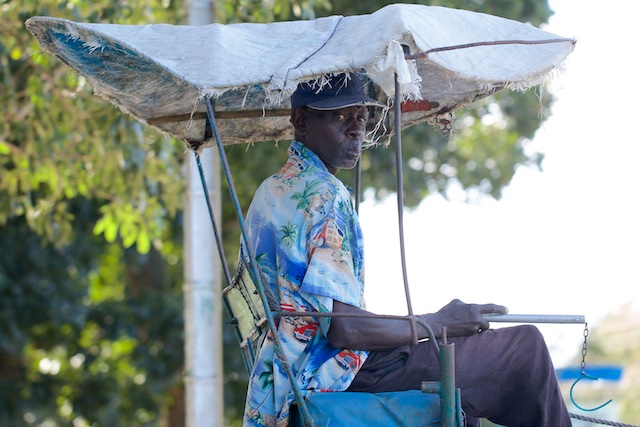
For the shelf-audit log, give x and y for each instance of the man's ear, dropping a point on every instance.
(299, 121)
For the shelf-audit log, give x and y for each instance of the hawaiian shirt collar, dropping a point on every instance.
(305, 155)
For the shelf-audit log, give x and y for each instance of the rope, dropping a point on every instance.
(599, 421)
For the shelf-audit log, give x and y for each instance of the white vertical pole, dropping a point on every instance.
(202, 287)
(203, 307)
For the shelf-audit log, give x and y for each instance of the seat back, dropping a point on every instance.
(244, 304)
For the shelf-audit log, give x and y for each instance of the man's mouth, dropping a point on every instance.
(354, 152)
(355, 148)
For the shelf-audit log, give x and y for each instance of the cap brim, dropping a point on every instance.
(334, 103)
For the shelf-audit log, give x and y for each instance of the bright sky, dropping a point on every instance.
(562, 241)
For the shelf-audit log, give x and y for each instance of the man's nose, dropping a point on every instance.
(356, 128)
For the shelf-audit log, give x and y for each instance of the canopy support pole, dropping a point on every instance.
(254, 269)
(400, 192)
(358, 189)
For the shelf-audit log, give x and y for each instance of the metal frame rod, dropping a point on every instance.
(400, 191)
(445, 388)
(218, 238)
(358, 189)
(447, 385)
(216, 233)
(254, 269)
(488, 43)
(535, 318)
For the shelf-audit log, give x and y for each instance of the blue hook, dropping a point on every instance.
(589, 377)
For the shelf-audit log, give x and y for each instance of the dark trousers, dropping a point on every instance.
(504, 375)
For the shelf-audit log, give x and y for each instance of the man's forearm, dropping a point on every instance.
(370, 332)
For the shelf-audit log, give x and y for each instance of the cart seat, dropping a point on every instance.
(410, 408)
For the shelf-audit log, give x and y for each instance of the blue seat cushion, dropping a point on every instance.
(410, 408)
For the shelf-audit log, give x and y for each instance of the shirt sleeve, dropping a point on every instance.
(330, 273)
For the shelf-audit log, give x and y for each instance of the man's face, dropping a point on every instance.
(336, 135)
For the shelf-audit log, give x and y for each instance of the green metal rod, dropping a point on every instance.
(447, 386)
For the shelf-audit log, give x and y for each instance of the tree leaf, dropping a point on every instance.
(129, 233)
(4, 148)
(143, 243)
(103, 223)
(111, 232)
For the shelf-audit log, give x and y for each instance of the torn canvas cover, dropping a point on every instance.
(443, 58)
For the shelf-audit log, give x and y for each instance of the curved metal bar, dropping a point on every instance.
(589, 377)
(400, 191)
(430, 334)
(489, 43)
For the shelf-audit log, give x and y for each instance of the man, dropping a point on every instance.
(306, 237)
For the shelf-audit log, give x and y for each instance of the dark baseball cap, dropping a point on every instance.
(339, 91)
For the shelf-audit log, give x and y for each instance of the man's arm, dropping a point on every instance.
(379, 334)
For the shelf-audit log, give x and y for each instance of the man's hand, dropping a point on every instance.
(371, 333)
(462, 319)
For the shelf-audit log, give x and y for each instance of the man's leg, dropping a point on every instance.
(505, 375)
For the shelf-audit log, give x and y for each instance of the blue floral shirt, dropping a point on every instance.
(308, 243)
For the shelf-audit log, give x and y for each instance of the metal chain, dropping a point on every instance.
(583, 364)
(583, 372)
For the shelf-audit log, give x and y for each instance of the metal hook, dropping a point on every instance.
(589, 377)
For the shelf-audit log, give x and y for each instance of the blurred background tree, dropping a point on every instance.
(91, 329)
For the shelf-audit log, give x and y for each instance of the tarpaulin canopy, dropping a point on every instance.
(444, 59)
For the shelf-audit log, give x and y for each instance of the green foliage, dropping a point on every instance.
(87, 335)
(535, 12)
(59, 142)
(91, 333)
(268, 11)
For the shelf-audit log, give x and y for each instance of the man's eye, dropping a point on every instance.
(362, 120)
(341, 117)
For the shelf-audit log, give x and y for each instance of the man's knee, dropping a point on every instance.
(530, 331)
(529, 335)
(531, 346)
